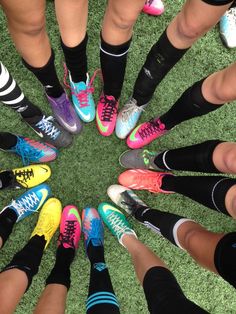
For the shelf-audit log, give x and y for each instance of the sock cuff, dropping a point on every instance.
(82, 45)
(35, 69)
(115, 50)
(59, 278)
(175, 230)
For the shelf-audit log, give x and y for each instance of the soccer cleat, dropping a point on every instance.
(115, 221)
(153, 7)
(125, 198)
(82, 98)
(228, 28)
(32, 151)
(106, 114)
(65, 113)
(30, 176)
(70, 228)
(49, 220)
(128, 118)
(145, 133)
(30, 202)
(50, 131)
(139, 159)
(138, 179)
(92, 227)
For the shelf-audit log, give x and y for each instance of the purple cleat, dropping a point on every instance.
(65, 113)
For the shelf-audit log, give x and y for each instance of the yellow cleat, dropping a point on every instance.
(49, 220)
(30, 176)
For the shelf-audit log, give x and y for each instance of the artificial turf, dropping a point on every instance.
(82, 173)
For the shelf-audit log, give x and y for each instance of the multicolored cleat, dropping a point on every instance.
(145, 133)
(65, 114)
(125, 198)
(228, 28)
(32, 151)
(82, 98)
(30, 202)
(49, 220)
(70, 228)
(153, 7)
(138, 179)
(92, 227)
(139, 159)
(128, 118)
(106, 114)
(115, 221)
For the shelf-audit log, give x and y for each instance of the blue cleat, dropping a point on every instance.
(228, 28)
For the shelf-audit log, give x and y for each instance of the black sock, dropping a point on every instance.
(160, 222)
(101, 296)
(48, 77)
(7, 220)
(191, 104)
(60, 273)
(6, 179)
(190, 158)
(7, 140)
(13, 96)
(29, 258)
(160, 59)
(76, 60)
(207, 190)
(113, 63)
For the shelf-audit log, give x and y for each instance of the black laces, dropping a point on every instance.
(68, 236)
(24, 175)
(109, 109)
(151, 128)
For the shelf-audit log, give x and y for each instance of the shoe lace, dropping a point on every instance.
(149, 2)
(26, 151)
(146, 155)
(24, 175)
(94, 232)
(69, 234)
(109, 108)
(151, 128)
(25, 203)
(153, 183)
(130, 108)
(117, 225)
(46, 125)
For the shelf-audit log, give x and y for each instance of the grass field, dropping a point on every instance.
(83, 172)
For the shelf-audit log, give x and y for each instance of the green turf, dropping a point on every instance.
(82, 173)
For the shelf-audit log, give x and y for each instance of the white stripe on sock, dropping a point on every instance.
(175, 229)
(113, 55)
(213, 191)
(14, 101)
(164, 160)
(4, 76)
(9, 89)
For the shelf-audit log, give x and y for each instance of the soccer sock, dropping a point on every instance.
(29, 258)
(7, 140)
(113, 63)
(12, 96)
(101, 296)
(6, 178)
(190, 158)
(161, 222)
(60, 273)
(48, 77)
(160, 59)
(7, 220)
(191, 104)
(76, 60)
(209, 191)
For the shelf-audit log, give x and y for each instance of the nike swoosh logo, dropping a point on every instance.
(132, 135)
(46, 170)
(39, 133)
(45, 195)
(69, 127)
(101, 126)
(74, 212)
(84, 116)
(107, 207)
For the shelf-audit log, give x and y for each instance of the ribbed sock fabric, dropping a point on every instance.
(7, 221)
(12, 96)
(29, 258)
(207, 190)
(60, 274)
(48, 77)
(76, 60)
(113, 63)
(160, 59)
(101, 297)
(191, 104)
(7, 140)
(198, 157)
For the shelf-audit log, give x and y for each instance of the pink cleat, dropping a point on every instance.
(153, 7)
(70, 228)
(145, 133)
(106, 114)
